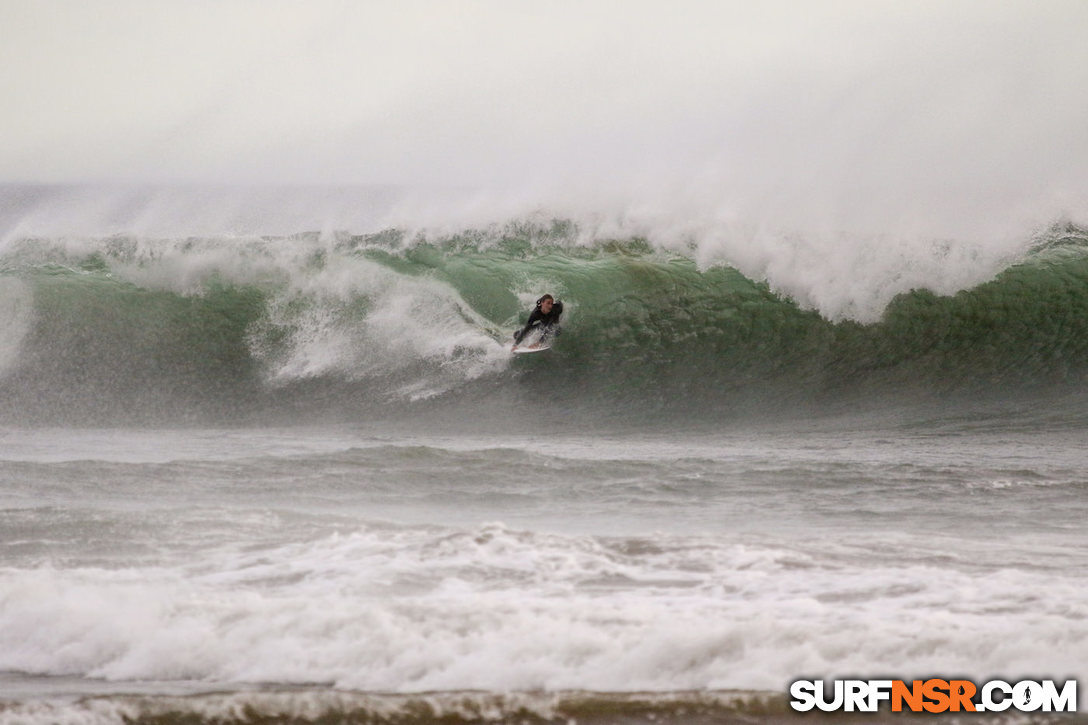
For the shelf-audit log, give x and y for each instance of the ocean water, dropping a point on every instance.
(297, 477)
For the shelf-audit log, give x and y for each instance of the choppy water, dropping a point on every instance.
(242, 560)
(265, 479)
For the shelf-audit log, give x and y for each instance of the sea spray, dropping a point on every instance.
(342, 325)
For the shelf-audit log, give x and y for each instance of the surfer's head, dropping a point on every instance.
(545, 303)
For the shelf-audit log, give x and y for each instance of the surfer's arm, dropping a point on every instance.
(533, 318)
(550, 323)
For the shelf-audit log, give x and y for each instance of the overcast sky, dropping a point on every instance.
(849, 106)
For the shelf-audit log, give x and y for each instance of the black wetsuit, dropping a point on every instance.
(548, 323)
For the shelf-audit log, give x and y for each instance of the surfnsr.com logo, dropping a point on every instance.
(933, 695)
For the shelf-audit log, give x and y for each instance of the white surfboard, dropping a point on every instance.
(537, 348)
(533, 342)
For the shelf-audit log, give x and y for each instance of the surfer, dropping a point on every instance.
(544, 317)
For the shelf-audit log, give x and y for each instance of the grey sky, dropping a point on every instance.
(814, 107)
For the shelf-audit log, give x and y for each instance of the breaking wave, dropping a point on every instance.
(126, 328)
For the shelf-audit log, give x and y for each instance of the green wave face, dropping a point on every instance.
(293, 327)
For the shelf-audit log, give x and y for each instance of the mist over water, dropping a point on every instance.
(941, 121)
(844, 153)
(264, 452)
